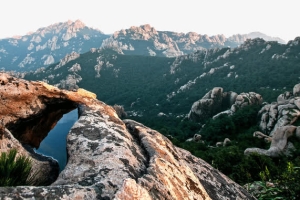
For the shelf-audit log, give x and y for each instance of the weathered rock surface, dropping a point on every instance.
(277, 124)
(107, 158)
(279, 143)
(215, 103)
(285, 111)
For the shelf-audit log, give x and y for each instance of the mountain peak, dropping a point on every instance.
(146, 28)
(77, 24)
(49, 44)
(142, 32)
(72, 25)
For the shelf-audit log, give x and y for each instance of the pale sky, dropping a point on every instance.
(277, 18)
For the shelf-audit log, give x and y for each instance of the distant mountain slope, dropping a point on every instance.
(146, 40)
(48, 45)
(243, 37)
(148, 85)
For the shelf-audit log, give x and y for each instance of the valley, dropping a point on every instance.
(208, 95)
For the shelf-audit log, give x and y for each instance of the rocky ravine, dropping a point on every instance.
(107, 158)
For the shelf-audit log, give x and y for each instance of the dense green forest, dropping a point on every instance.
(144, 84)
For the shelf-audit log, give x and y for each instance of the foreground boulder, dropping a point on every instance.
(107, 158)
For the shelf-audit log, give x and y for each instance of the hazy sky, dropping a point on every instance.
(273, 17)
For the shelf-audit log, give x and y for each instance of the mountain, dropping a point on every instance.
(146, 40)
(48, 45)
(240, 38)
(150, 86)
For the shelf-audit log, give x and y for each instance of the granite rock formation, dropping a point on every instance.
(279, 142)
(146, 40)
(107, 158)
(285, 111)
(277, 124)
(215, 103)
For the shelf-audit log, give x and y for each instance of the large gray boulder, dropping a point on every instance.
(217, 102)
(209, 105)
(296, 90)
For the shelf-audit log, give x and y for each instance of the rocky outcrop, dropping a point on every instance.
(107, 158)
(215, 103)
(279, 143)
(285, 111)
(171, 44)
(277, 124)
(150, 42)
(224, 143)
(195, 138)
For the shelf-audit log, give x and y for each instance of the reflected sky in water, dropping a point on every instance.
(54, 145)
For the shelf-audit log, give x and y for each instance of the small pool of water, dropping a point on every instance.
(55, 144)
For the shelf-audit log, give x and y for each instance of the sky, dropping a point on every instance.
(277, 18)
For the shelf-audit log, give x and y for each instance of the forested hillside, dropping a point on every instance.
(150, 85)
(160, 91)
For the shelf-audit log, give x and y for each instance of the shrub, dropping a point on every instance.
(14, 171)
(285, 186)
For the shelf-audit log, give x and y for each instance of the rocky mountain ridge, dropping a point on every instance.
(48, 45)
(146, 40)
(107, 158)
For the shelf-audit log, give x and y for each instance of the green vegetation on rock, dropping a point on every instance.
(14, 170)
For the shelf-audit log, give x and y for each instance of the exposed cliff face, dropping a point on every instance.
(48, 45)
(108, 158)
